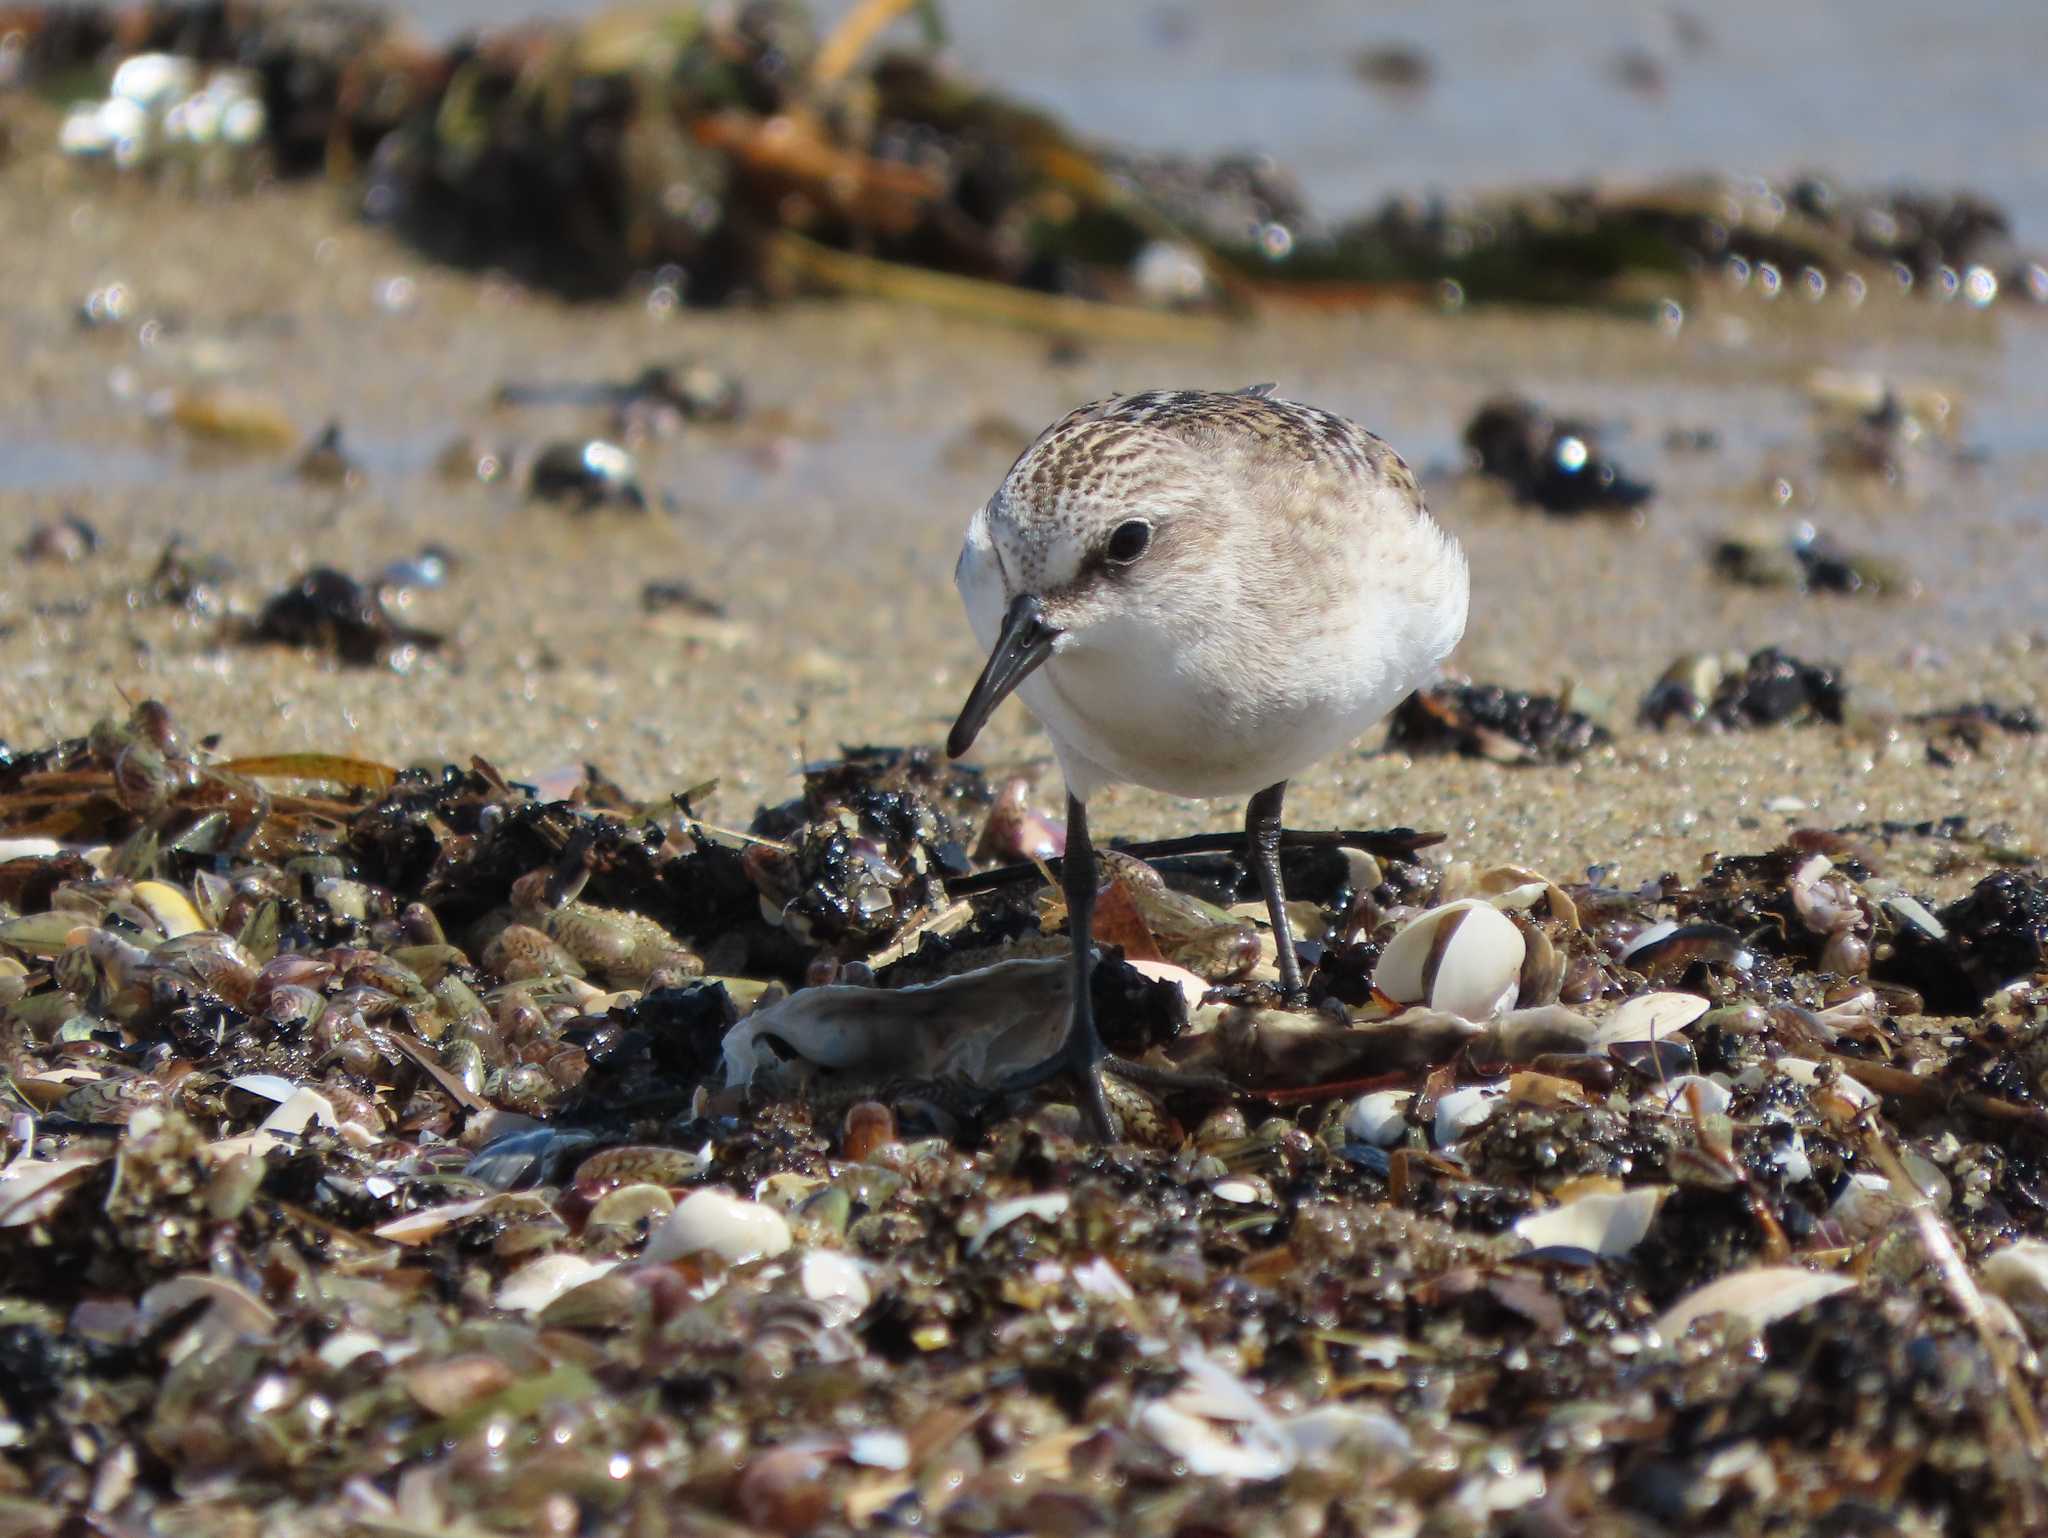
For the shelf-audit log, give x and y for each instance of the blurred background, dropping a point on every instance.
(1364, 101)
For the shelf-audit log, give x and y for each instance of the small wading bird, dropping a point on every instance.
(1203, 593)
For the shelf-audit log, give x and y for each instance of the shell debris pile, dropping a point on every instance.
(403, 1151)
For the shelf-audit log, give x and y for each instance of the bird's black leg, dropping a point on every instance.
(1080, 1057)
(1262, 847)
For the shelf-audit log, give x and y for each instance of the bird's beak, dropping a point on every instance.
(1025, 642)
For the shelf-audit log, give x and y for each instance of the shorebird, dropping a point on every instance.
(1204, 593)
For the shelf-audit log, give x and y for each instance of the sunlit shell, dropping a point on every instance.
(1609, 1225)
(539, 1282)
(837, 1279)
(1753, 1298)
(1380, 1118)
(1464, 958)
(1650, 1017)
(716, 1222)
(1464, 1109)
(170, 909)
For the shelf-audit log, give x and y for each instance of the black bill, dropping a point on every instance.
(1025, 642)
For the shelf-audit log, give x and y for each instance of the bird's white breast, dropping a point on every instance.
(1208, 701)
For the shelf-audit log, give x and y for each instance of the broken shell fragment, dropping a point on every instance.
(1607, 1224)
(1464, 958)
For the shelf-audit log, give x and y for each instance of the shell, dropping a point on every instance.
(1048, 1207)
(1380, 1119)
(1464, 1109)
(718, 1223)
(1754, 1298)
(1650, 1017)
(538, 1283)
(1464, 958)
(1608, 1224)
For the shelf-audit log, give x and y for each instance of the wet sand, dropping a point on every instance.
(827, 521)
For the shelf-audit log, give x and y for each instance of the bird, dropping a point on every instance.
(1202, 592)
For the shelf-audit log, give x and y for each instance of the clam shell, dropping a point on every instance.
(1464, 958)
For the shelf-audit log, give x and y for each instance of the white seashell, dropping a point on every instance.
(28, 848)
(718, 1223)
(1464, 958)
(538, 1283)
(1649, 1017)
(1678, 1094)
(1242, 1192)
(1608, 1225)
(1462, 1110)
(833, 1276)
(1048, 1207)
(1754, 1298)
(274, 1087)
(1379, 1118)
(1866, 1206)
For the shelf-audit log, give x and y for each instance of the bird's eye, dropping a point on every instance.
(1130, 541)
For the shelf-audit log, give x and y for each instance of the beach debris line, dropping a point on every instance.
(702, 152)
(702, 1189)
(1509, 726)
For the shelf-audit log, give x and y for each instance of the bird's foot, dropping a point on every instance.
(1080, 1058)
(1083, 1060)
